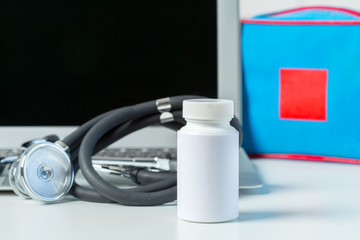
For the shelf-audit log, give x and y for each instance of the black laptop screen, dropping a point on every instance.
(63, 63)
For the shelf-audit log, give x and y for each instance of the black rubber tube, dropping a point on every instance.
(141, 196)
(107, 128)
(95, 129)
(87, 194)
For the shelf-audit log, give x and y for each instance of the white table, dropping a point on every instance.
(301, 200)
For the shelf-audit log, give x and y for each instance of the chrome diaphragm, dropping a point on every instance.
(43, 172)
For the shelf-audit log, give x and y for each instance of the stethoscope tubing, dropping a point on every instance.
(107, 128)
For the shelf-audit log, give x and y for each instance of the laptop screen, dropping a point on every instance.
(64, 63)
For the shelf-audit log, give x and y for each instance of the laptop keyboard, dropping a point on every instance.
(119, 154)
(169, 153)
(6, 152)
(131, 153)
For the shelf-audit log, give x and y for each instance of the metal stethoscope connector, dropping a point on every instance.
(42, 172)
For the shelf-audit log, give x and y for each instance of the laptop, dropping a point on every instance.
(65, 63)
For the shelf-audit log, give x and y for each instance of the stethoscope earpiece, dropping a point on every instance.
(43, 172)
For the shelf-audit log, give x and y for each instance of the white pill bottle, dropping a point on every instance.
(208, 162)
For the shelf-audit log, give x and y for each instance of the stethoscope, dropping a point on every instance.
(46, 168)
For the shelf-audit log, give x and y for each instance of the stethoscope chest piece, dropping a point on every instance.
(43, 172)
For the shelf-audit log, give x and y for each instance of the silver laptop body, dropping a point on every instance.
(228, 87)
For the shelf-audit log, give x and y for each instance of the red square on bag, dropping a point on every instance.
(303, 94)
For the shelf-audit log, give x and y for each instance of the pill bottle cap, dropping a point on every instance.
(208, 109)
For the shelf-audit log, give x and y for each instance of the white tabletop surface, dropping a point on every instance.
(300, 200)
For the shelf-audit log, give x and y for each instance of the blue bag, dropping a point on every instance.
(301, 84)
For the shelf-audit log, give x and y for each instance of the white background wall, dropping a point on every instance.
(250, 8)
